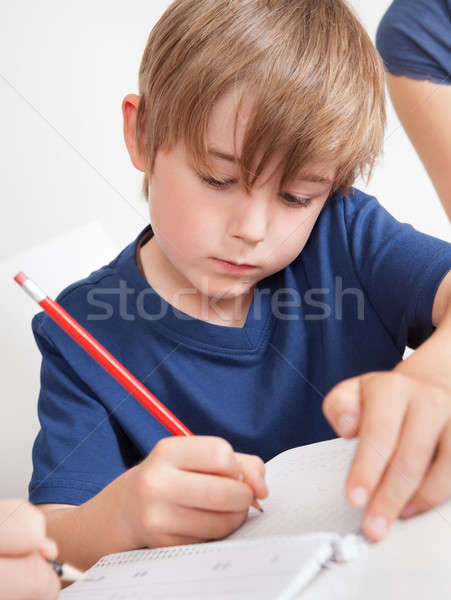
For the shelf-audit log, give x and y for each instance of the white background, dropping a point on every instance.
(70, 195)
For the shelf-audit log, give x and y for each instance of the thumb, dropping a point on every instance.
(341, 407)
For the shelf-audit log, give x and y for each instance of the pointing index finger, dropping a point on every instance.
(382, 417)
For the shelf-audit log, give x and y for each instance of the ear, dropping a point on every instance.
(130, 110)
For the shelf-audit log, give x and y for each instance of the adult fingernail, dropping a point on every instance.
(347, 424)
(377, 527)
(49, 549)
(358, 496)
(409, 511)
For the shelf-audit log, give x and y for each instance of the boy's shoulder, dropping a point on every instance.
(354, 201)
(106, 282)
(102, 277)
(355, 210)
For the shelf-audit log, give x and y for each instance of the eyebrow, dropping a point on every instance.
(312, 177)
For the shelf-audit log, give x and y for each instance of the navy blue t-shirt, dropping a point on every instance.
(360, 291)
(414, 39)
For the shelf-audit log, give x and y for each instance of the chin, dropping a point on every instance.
(224, 290)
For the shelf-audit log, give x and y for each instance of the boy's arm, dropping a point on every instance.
(403, 421)
(84, 534)
(188, 490)
(87, 532)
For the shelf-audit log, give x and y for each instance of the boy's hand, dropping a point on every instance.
(402, 462)
(24, 572)
(188, 490)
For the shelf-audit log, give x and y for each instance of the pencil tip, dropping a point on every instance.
(256, 505)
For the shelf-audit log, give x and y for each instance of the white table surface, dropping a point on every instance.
(412, 562)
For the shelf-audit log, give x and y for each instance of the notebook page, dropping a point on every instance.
(271, 569)
(306, 493)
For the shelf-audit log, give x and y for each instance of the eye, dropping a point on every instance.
(215, 183)
(290, 199)
(297, 200)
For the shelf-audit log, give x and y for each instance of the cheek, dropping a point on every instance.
(181, 225)
(292, 236)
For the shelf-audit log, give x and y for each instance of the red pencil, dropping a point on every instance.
(105, 359)
(102, 356)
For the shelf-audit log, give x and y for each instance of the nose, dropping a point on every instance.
(249, 220)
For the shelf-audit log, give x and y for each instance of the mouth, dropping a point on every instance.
(231, 266)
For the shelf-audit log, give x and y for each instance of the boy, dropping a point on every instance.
(292, 93)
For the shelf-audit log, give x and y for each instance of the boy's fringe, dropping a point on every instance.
(316, 80)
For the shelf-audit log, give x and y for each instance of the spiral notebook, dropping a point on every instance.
(306, 526)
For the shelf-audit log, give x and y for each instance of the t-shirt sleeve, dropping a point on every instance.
(399, 268)
(79, 448)
(414, 39)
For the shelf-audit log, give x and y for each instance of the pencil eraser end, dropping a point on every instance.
(20, 278)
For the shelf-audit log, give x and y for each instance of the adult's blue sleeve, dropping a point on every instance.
(414, 39)
(399, 268)
(79, 448)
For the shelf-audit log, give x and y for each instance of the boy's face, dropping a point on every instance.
(194, 222)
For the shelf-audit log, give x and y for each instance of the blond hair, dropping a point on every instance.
(315, 76)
